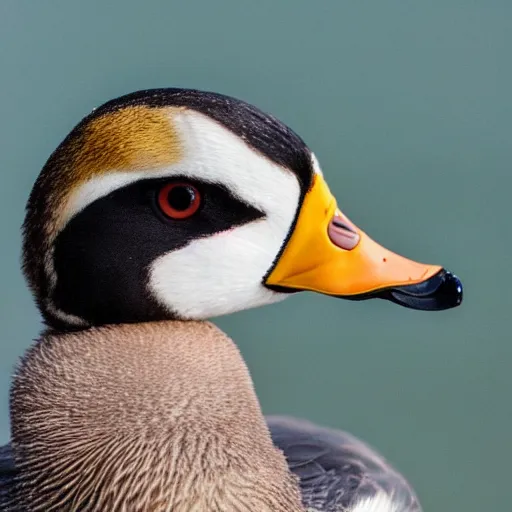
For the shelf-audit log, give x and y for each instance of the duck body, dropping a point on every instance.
(113, 423)
(108, 419)
(159, 210)
(335, 470)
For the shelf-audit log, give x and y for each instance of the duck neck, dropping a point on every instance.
(157, 416)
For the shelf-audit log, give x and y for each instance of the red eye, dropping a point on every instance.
(179, 200)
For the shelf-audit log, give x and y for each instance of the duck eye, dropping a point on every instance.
(179, 200)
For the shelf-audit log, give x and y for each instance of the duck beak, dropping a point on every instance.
(326, 253)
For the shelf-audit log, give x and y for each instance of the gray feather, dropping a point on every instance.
(337, 470)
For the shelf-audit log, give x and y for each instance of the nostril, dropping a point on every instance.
(343, 235)
(340, 224)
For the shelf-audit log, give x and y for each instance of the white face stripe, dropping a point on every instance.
(212, 154)
(316, 165)
(222, 273)
(65, 317)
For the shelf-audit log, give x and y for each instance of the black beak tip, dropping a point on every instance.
(442, 291)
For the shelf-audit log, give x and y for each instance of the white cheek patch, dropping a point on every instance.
(218, 275)
(222, 273)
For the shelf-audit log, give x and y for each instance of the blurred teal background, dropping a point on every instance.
(408, 107)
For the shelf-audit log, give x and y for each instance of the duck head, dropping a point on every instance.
(181, 204)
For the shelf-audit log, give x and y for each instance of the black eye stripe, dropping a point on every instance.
(103, 254)
(215, 196)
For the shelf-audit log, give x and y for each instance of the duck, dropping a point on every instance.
(161, 210)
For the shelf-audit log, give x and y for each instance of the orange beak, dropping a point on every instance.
(326, 253)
